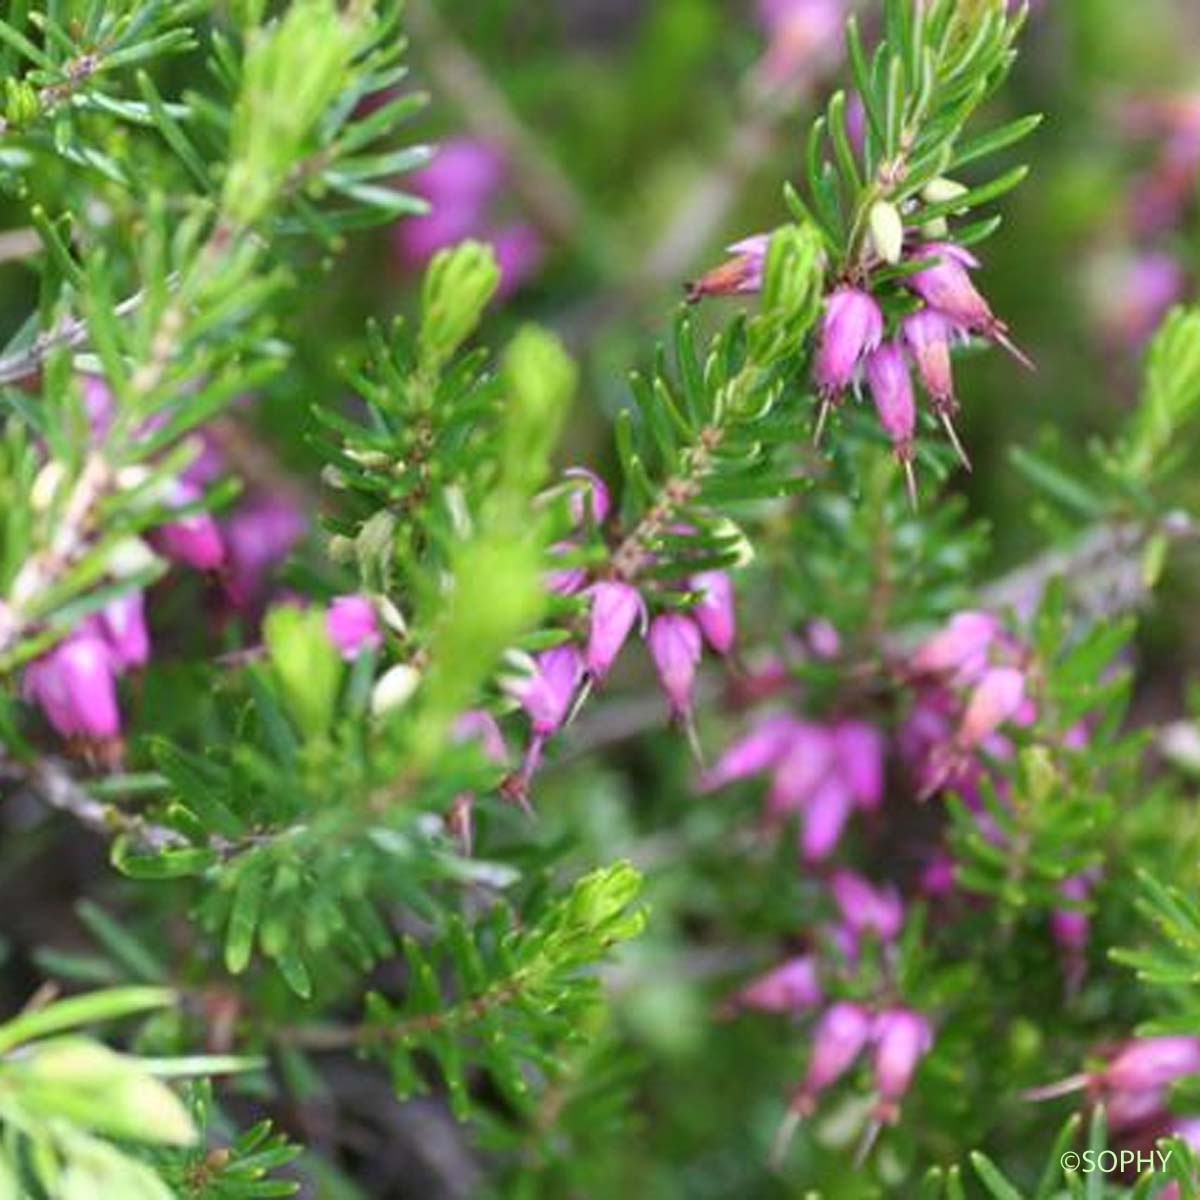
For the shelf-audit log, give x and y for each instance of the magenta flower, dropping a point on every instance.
(474, 725)
(589, 496)
(998, 697)
(1152, 1062)
(520, 252)
(97, 405)
(1133, 308)
(616, 608)
(808, 758)
(787, 988)
(259, 534)
(892, 391)
(927, 334)
(547, 692)
(1069, 926)
(193, 540)
(825, 816)
(838, 1038)
(122, 624)
(823, 639)
(902, 1037)
(937, 878)
(960, 649)
(463, 185)
(851, 328)
(714, 611)
(859, 748)
(866, 908)
(805, 39)
(738, 275)
(675, 647)
(564, 581)
(757, 750)
(946, 287)
(74, 684)
(352, 625)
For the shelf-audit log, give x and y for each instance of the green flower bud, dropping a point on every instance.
(20, 102)
(458, 285)
(307, 666)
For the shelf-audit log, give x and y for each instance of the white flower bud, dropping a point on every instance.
(393, 618)
(130, 556)
(46, 484)
(942, 190)
(394, 688)
(887, 230)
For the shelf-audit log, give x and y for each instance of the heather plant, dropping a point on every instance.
(440, 761)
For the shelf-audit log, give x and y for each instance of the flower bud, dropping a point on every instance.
(589, 496)
(74, 684)
(740, 274)
(675, 646)
(616, 607)
(394, 689)
(960, 648)
(46, 484)
(352, 625)
(901, 1038)
(859, 750)
(1152, 1062)
(129, 557)
(865, 907)
(851, 327)
(122, 623)
(887, 231)
(838, 1037)
(942, 190)
(891, 389)
(193, 540)
(714, 611)
(787, 988)
(825, 817)
(762, 747)
(547, 691)
(998, 697)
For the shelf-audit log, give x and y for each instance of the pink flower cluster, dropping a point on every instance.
(819, 773)
(75, 682)
(969, 680)
(961, 691)
(697, 610)
(1133, 1084)
(897, 1037)
(463, 186)
(854, 343)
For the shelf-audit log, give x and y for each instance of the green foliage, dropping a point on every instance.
(935, 66)
(65, 1099)
(522, 994)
